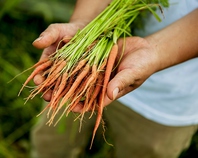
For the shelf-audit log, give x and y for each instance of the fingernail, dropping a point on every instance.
(38, 39)
(115, 93)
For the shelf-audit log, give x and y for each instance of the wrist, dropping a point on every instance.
(79, 22)
(156, 51)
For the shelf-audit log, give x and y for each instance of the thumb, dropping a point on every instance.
(48, 37)
(123, 82)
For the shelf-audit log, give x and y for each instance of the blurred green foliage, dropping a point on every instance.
(21, 21)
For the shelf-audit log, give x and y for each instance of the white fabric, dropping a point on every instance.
(169, 97)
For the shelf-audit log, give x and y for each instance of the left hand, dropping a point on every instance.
(139, 61)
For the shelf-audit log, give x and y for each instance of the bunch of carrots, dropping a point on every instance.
(79, 72)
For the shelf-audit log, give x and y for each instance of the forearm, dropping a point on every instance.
(87, 10)
(177, 42)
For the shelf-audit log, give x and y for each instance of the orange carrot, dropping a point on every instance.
(34, 66)
(57, 84)
(40, 62)
(56, 63)
(73, 104)
(56, 100)
(56, 69)
(76, 98)
(67, 87)
(75, 85)
(55, 88)
(90, 79)
(79, 66)
(38, 69)
(61, 87)
(77, 82)
(55, 104)
(102, 66)
(109, 67)
(96, 90)
(88, 96)
(50, 79)
(87, 89)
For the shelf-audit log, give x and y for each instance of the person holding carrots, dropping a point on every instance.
(152, 99)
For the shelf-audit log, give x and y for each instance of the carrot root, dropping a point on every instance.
(109, 67)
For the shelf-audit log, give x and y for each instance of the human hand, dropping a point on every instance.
(139, 61)
(49, 40)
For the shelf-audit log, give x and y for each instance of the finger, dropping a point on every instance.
(48, 51)
(123, 82)
(48, 37)
(47, 96)
(78, 108)
(107, 100)
(38, 79)
(67, 39)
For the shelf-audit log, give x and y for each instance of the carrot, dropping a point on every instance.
(55, 69)
(75, 85)
(77, 82)
(49, 82)
(40, 62)
(61, 87)
(87, 90)
(56, 63)
(96, 90)
(75, 99)
(93, 108)
(57, 99)
(90, 80)
(50, 79)
(38, 69)
(73, 104)
(54, 105)
(78, 94)
(67, 87)
(88, 96)
(56, 86)
(56, 96)
(109, 67)
(34, 66)
(85, 108)
(81, 63)
(102, 66)
(98, 84)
